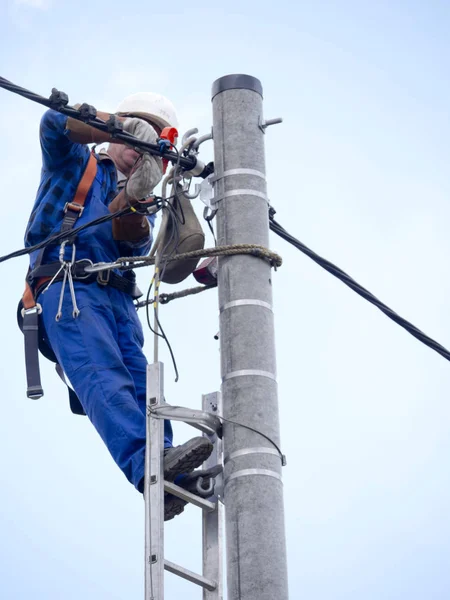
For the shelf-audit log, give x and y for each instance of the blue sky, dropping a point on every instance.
(364, 92)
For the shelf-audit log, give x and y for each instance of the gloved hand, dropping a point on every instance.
(148, 172)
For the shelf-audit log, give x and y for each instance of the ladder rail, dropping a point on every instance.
(212, 522)
(154, 487)
(207, 421)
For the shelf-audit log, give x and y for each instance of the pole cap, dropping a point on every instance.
(236, 82)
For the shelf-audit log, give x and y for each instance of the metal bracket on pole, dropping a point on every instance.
(264, 124)
(205, 421)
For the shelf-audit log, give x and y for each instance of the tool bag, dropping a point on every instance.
(180, 232)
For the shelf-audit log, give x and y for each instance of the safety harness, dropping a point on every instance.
(37, 279)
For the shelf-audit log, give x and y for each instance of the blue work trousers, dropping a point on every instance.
(101, 354)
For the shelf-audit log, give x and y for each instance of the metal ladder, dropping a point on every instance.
(205, 420)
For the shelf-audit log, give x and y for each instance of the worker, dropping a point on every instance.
(100, 347)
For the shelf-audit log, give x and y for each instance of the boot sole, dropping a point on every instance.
(173, 506)
(189, 460)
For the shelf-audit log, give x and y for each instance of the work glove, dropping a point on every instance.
(148, 172)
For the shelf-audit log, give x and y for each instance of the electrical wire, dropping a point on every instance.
(269, 439)
(153, 279)
(175, 188)
(174, 234)
(187, 163)
(356, 287)
(62, 235)
(172, 355)
(222, 419)
(211, 228)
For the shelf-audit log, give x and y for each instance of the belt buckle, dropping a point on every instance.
(37, 308)
(103, 277)
(75, 207)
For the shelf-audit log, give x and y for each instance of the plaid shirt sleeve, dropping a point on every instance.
(57, 148)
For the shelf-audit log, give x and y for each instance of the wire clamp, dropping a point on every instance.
(164, 145)
(58, 99)
(114, 125)
(87, 112)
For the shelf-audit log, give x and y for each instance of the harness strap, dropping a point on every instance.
(30, 309)
(31, 338)
(86, 181)
(73, 210)
(125, 283)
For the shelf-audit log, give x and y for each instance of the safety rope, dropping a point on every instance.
(134, 262)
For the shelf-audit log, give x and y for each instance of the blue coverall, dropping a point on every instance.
(101, 350)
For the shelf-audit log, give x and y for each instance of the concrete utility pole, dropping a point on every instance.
(254, 513)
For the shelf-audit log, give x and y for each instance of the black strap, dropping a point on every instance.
(122, 283)
(125, 283)
(70, 218)
(30, 328)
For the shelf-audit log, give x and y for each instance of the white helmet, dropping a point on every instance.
(153, 107)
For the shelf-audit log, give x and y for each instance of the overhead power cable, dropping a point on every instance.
(88, 114)
(356, 287)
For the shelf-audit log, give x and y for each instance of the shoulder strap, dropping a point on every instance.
(74, 209)
(86, 181)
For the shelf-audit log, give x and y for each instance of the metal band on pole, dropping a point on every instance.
(242, 192)
(238, 172)
(249, 373)
(247, 451)
(248, 472)
(234, 303)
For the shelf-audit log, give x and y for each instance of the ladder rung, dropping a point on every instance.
(190, 576)
(176, 490)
